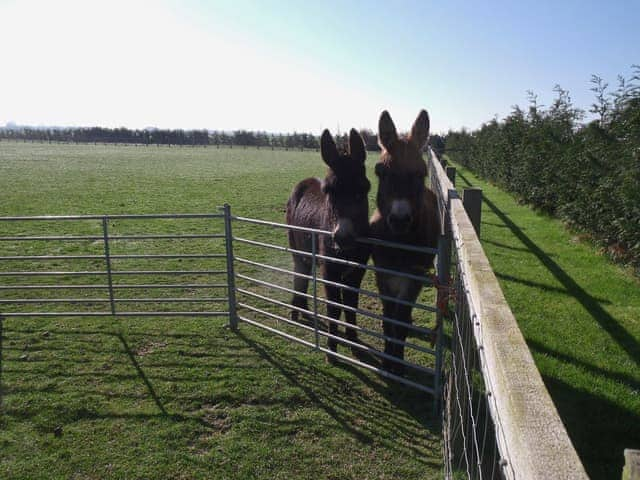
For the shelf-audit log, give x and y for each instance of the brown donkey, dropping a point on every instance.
(407, 213)
(340, 205)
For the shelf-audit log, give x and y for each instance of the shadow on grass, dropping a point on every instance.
(600, 430)
(1, 357)
(336, 397)
(591, 304)
(543, 286)
(141, 373)
(632, 382)
(92, 380)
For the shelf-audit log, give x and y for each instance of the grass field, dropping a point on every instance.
(580, 316)
(182, 397)
(186, 398)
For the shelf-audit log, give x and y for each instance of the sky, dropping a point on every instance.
(302, 66)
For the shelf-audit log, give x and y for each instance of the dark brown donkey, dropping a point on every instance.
(407, 213)
(338, 204)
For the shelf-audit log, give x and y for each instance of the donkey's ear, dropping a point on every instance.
(356, 146)
(387, 134)
(420, 129)
(328, 149)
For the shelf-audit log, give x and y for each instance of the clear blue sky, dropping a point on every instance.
(291, 65)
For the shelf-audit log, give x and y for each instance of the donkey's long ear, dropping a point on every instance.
(356, 146)
(328, 149)
(387, 134)
(420, 129)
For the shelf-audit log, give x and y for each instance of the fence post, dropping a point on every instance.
(631, 469)
(444, 271)
(107, 258)
(451, 173)
(231, 276)
(472, 201)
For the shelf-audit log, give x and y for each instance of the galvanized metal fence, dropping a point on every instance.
(255, 289)
(470, 437)
(259, 305)
(98, 276)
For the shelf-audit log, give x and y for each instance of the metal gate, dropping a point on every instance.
(207, 265)
(101, 265)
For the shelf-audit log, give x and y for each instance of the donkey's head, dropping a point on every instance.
(346, 188)
(401, 172)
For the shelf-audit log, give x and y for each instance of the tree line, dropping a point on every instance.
(154, 136)
(176, 137)
(159, 137)
(586, 173)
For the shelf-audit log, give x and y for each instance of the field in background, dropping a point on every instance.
(185, 398)
(580, 316)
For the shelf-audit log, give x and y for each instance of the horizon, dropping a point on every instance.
(285, 67)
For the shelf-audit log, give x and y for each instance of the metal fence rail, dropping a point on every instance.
(92, 265)
(105, 279)
(259, 307)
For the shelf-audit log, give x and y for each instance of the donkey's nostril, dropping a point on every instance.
(399, 218)
(399, 223)
(343, 239)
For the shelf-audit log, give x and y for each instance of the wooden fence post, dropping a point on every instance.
(451, 173)
(631, 469)
(472, 201)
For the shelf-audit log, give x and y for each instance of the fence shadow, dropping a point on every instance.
(591, 304)
(601, 452)
(399, 402)
(103, 373)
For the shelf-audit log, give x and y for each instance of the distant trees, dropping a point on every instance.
(437, 144)
(161, 137)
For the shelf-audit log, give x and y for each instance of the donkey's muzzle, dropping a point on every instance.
(399, 223)
(344, 240)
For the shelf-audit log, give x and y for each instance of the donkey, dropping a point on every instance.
(340, 205)
(406, 213)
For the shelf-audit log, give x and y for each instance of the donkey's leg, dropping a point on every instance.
(300, 284)
(333, 311)
(352, 279)
(389, 330)
(403, 314)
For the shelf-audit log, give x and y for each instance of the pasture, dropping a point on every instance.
(185, 397)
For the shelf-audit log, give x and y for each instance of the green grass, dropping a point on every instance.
(181, 397)
(580, 316)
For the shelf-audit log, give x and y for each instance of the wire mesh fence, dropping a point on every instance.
(470, 441)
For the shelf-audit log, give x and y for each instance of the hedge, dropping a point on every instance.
(588, 174)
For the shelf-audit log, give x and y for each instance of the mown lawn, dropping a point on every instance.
(580, 316)
(181, 397)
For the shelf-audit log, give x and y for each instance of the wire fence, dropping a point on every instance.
(470, 440)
